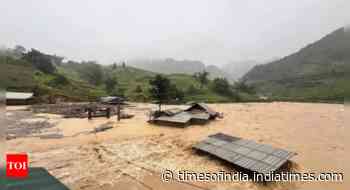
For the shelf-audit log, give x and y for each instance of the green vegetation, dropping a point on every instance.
(16, 74)
(161, 90)
(223, 87)
(50, 78)
(111, 84)
(40, 61)
(312, 88)
(91, 72)
(318, 72)
(202, 78)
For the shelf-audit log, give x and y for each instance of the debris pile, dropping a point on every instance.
(66, 109)
(27, 129)
(75, 110)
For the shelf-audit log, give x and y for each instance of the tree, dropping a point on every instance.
(160, 89)
(139, 95)
(192, 90)
(175, 93)
(59, 80)
(110, 84)
(138, 89)
(114, 66)
(202, 77)
(244, 87)
(40, 61)
(92, 72)
(223, 87)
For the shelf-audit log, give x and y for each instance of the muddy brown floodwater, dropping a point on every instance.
(134, 153)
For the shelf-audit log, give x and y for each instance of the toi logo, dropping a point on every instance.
(17, 165)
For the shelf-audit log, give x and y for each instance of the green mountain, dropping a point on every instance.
(15, 74)
(130, 80)
(50, 78)
(319, 71)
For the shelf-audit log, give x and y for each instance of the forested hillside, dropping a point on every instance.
(50, 77)
(320, 71)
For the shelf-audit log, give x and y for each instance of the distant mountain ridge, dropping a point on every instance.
(172, 66)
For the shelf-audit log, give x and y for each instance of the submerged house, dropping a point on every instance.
(19, 98)
(200, 109)
(197, 113)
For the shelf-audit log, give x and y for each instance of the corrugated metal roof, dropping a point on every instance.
(173, 111)
(256, 157)
(199, 112)
(182, 117)
(19, 95)
(204, 116)
(204, 107)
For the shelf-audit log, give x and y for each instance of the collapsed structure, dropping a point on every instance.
(197, 113)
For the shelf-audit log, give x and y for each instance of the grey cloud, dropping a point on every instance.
(215, 32)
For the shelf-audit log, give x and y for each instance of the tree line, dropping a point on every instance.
(160, 87)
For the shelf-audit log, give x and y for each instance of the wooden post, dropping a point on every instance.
(89, 113)
(118, 111)
(108, 114)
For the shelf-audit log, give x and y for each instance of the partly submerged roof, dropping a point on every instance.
(182, 117)
(19, 95)
(173, 111)
(197, 112)
(255, 157)
(202, 116)
(204, 107)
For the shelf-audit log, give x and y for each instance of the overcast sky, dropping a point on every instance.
(213, 31)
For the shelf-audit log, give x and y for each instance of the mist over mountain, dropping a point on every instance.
(217, 72)
(168, 66)
(172, 66)
(239, 68)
